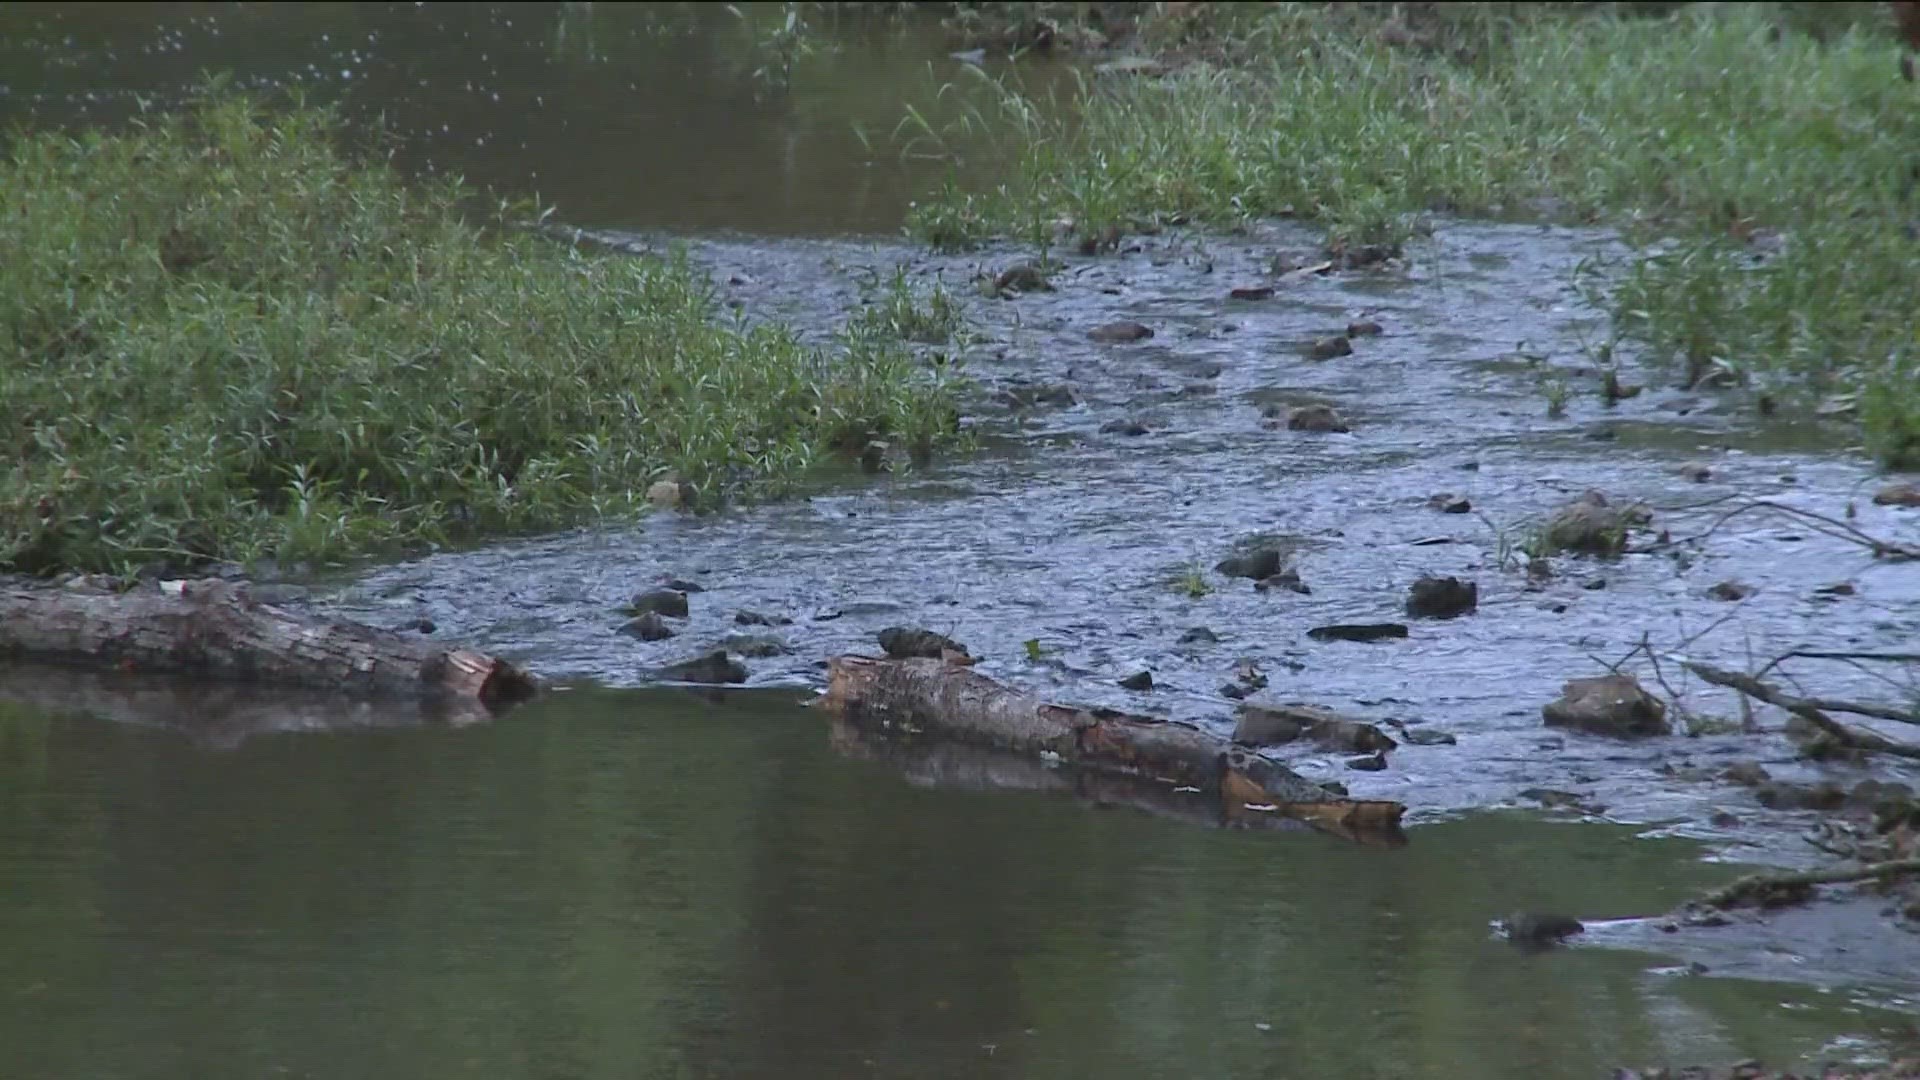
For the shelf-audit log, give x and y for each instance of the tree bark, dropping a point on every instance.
(213, 629)
(908, 698)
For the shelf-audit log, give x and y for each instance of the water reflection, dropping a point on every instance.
(647, 116)
(648, 884)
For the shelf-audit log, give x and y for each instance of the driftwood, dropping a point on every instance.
(1814, 711)
(906, 698)
(213, 629)
(984, 770)
(223, 715)
(1789, 887)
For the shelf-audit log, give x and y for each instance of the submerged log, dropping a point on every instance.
(986, 770)
(920, 696)
(214, 629)
(220, 716)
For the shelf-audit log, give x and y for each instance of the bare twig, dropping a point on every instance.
(1812, 711)
(1878, 712)
(1884, 657)
(1834, 527)
(1755, 885)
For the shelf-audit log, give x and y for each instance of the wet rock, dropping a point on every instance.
(1364, 328)
(1123, 427)
(1022, 277)
(1441, 598)
(1843, 588)
(1594, 584)
(1319, 419)
(1358, 632)
(901, 642)
(1285, 579)
(1327, 348)
(1878, 794)
(1592, 525)
(1614, 705)
(1362, 256)
(649, 626)
(682, 585)
(669, 602)
(1345, 734)
(1780, 795)
(1898, 493)
(1268, 724)
(754, 618)
(1556, 799)
(1448, 503)
(1697, 471)
(1746, 773)
(1233, 691)
(712, 667)
(1249, 674)
(1139, 680)
(1369, 763)
(1723, 820)
(1427, 737)
(1120, 333)
(1730, 591)
(1199, 635)
(1026, 397)
(1539, 573)
(1535, 931)
(757, 645)
(669, 494)
(1259, 564)
(1252, 292)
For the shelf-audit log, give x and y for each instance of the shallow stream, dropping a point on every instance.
(622, 880)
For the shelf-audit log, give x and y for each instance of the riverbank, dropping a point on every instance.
(230, 340)
(1758, 156)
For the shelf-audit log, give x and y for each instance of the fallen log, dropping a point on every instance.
(213, 629)
(908, 698)
(220, 716)
(985, 770)
(1772, 890)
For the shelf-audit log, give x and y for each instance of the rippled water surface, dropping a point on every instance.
(628, 881)
(652, 884)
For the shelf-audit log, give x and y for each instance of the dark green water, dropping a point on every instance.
(644, 115)
(639, 884)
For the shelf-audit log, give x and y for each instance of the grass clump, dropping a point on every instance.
(223, 338)
(1767, 173)
(897, 310)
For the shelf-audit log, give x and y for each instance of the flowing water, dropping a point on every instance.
(644, 881)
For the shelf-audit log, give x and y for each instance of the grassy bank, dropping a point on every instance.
(1764, 156)
(225, 339)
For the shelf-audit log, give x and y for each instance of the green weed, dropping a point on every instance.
(224, 339)
(1760, 156)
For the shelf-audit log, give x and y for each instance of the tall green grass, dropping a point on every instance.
(221, 337)
(1696, 131)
